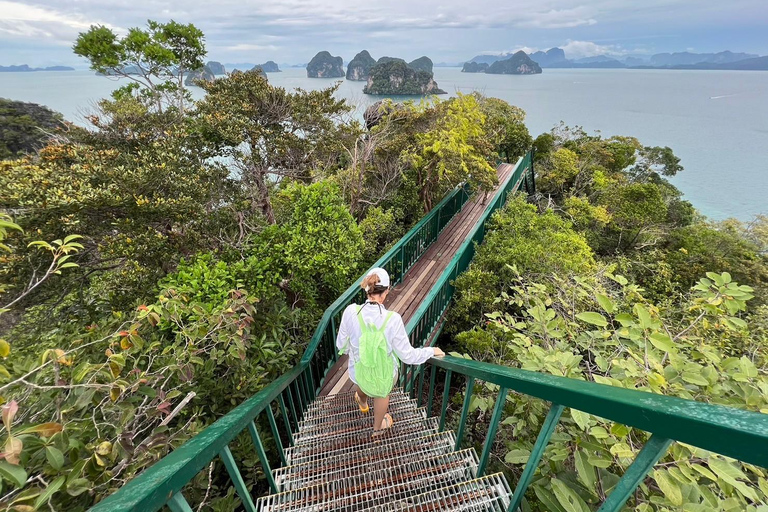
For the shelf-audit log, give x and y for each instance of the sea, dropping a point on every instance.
(715, 121)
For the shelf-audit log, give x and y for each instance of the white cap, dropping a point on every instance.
(383, 276)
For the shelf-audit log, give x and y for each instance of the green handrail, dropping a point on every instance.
(728, 431)
(162, 483)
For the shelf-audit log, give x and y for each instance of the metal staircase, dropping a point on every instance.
(336, 465)
(330, 462)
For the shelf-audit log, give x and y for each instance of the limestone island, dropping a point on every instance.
(395, 77)
(518, 64)
(208, 73)
(259, 69)
(475, 67)
(269, 67)
(217, 68)
(360, 66)
(325, 65)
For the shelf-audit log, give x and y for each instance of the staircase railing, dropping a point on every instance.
(162, 483)
(728, 431)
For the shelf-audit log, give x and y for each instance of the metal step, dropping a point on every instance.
(328, 415)
(356, 459)
(366, 487)
(487, 494)
(355, 423)
(347, 400)
(362, 438)
(354, 455)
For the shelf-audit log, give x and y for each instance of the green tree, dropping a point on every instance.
(452, 150)
(517, 235)
(270, 134)
(155, 59)
(505, 127)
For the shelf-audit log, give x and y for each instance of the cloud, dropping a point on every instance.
(29, 21)
(251, 47)
(580, 49)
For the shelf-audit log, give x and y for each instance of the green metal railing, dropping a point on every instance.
(290, 394)
(735, 433)
(731, 432)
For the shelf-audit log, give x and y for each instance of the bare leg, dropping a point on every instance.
(380, 407)
(363, 396)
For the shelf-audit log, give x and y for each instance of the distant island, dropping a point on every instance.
(555, 58)
(24, 68)
(518, 64)
(325, 65)
(359, 67)
(269, 67)
(393, 76)
(208, 73)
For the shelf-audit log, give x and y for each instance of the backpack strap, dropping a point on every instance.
(384, 325)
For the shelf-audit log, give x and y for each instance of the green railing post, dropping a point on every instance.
(653, 450)
(178, 503)
(421, 386)
(275, 433)
(431, 390)
(292, 406)
(465, 411)
(237, 479)
(446, 392)
(550, 422)
(262, 455)
(286, 420)
(495, 418)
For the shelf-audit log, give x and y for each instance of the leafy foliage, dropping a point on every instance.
(24, 127)
(599, 327)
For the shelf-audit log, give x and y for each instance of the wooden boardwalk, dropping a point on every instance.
(406, 297)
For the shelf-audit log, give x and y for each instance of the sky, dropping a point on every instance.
(41, 33)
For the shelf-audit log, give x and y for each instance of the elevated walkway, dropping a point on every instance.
(415, 284)
(325, 457)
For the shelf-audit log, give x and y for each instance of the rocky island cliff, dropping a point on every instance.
(518, 64)
(360, 66)
(475, 67)
(269, 67)
(395, 77)
(325, 65)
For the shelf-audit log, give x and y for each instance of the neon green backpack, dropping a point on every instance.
(374, 369)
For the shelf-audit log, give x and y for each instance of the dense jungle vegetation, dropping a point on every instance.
(171, 258)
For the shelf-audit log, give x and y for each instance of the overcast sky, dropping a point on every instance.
(41, 32)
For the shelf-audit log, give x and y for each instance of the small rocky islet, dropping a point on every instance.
(518, 64)
(325, 65)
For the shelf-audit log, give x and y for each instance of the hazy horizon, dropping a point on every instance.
(41, 33)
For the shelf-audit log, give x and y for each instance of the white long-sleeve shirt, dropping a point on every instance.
(397, 339)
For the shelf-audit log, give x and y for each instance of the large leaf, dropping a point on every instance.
(49, 491)
(13, 473)
(568, 498)
(732, 475)
(517, 456)
(662, 341)
(592, 318)
(585, 471)
(606, 303)
(581, 419)
(668, 486)
(55, 457)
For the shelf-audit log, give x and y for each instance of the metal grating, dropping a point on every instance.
(355, 490)
(327, 445)
(354, 455)
(355, 424)
(395, 455)
(351, 411)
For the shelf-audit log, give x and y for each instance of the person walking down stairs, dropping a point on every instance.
(376, 340)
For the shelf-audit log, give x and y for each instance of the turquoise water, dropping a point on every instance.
(716, 121)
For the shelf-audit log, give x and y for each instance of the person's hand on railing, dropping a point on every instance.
(438, 352)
